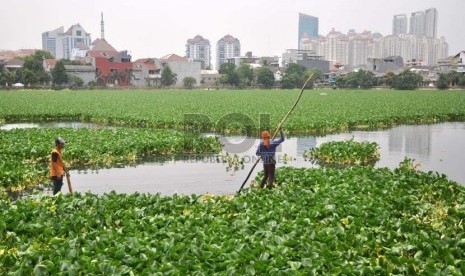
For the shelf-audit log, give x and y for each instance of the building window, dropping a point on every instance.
(78, 33)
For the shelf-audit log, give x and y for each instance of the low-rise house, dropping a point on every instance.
(453, 63)
(384, 65)
(147, 72)
(182, 68)
(84, 72)
(209, 78)
(14, 64)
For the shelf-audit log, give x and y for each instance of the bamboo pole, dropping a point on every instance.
(68, 180)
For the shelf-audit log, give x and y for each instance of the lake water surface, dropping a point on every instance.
(439, 147)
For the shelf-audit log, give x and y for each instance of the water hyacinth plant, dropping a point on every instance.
(355, 221)
(343, 153)
(25, 153)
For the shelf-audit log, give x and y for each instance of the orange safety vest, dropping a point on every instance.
(59, 162)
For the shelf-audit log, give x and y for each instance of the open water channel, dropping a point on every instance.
(438, 147)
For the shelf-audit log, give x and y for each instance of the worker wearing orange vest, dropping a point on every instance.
(57, 166)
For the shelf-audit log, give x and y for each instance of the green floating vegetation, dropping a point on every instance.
(356, 221)
(25, 153)
(344, 153)
(230, 111)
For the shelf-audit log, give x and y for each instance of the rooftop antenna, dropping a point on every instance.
(102, 27)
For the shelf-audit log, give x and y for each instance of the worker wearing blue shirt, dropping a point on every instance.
(267, 150)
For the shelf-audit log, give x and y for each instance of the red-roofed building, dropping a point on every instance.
(172, 57)
(49, 64)
(111, 67)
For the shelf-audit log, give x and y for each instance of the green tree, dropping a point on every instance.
(168, 78)
(189, 82)
(34, 64)
(462, 80)
(75, 81)
(7, 77)
(246, 74)
(294, 76)
(453, 78)
(28, 77)
(317, 74)
(59, 75)
(265, 77)
(387, 78)
(407, 80)
(443, 81)
(230, 74)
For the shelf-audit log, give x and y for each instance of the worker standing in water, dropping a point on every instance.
(57, 166)
(267, 150)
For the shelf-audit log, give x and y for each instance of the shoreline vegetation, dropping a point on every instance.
(357, 220)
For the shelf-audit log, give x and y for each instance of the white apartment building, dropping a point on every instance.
(198, 49)
(424, 23)
(66, 43)
(49, 40)
(417, 23)
(354, 49)
(399, 24)
(431, 22)
(227, 47)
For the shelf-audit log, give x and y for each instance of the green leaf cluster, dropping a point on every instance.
(356, 221)
(25, 153)
(316, 113)
(343, 153)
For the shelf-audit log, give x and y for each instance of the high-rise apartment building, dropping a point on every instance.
(399, 24)
(354, 49)
(431, 22)
(227, 47)
(198, 49)
(424, 23)
(307, 25)
(49, 40)
(417, 23)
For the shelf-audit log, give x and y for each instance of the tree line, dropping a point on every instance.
(32, 74)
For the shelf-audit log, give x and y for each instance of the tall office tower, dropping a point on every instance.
(399, 24)
(431, 22)
(227, 47)
(417, 23)
(198, 49)
(307, 24)
(49, 40)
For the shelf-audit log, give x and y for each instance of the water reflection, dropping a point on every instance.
(438, 148)
(73, 125)
(414, 140)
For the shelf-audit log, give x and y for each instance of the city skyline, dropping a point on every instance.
(146, 32)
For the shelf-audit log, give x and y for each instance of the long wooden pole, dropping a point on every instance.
(68, 180)
(278, 128)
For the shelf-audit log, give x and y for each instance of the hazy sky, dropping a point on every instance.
(151, 28)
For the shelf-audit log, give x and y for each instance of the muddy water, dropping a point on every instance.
(439, 147)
